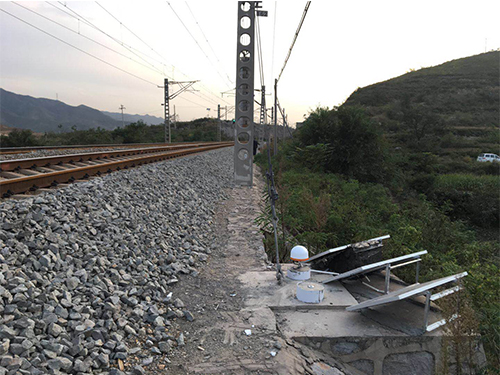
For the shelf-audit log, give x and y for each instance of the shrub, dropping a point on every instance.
(19, 138)
(473, 198)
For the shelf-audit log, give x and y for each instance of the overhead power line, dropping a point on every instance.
(134, 34)
(274, 36)
(196, 41)
(131, 49)
(86, 37)
(88, 23)
(79, 17)
(149, 46)
(206, 40)
(79, 49)
(259, 50)
(295, 37)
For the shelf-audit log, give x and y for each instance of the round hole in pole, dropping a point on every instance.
(245, 7)
(244, 89)
(244, 73)
(244, 121)
(245, 39)
(245, 22)
(243, 138)
(244, 56)
(243, 154)
(244, 105)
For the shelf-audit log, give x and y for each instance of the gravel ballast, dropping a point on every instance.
(88, 269)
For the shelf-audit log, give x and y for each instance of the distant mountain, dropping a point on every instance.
(45, 115)
(150, 120)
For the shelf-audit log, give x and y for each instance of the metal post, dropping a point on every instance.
(417, 272)
(275, 116)
(284, 124)
(122, 108)
(167, 114)
(387, 278)
(427, 308)
(244, 126)
(219, 122)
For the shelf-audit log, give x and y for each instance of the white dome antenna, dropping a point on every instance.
(298, 255)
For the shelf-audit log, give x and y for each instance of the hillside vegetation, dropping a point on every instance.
(453, 107)
(381, 164)
(203, 129)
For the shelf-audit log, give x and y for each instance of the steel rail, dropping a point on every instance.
(27, 149)
(21, 184)
(16, 164)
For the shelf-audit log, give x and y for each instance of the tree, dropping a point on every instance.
(351, 141)
(419, 122)
(19, 138)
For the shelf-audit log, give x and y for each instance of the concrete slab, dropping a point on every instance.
(267, 292)
(330, 324)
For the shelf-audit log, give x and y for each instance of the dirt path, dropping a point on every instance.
(216, 342)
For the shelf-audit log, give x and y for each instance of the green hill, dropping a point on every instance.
(454, 105)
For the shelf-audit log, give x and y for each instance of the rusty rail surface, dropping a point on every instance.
(19, 176)
(25, 150)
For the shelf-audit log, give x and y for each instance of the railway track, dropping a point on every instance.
(25, 150)
(25, 175)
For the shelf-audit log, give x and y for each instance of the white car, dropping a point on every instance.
(488, 157)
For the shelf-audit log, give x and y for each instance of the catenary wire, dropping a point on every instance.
(196, 41)
(121, 23)
(134, 34)
(88, 23)
(79, 49)
(295, 37)
(274, 36)
(78, 17)
(88, 38)
(259, 50)
(206, 39)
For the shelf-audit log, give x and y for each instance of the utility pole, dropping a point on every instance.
(184, 86)
(167, 114)
(269, 127)
(275, 116)
(219, 122)
(284, 124)
(122, 108)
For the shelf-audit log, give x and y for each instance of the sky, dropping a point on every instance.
(342, 45)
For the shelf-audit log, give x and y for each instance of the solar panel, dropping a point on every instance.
(409, 291)
(340, 248)
(375, 266)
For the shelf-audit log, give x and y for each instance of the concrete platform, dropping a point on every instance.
(267, 292)
(365, 342)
